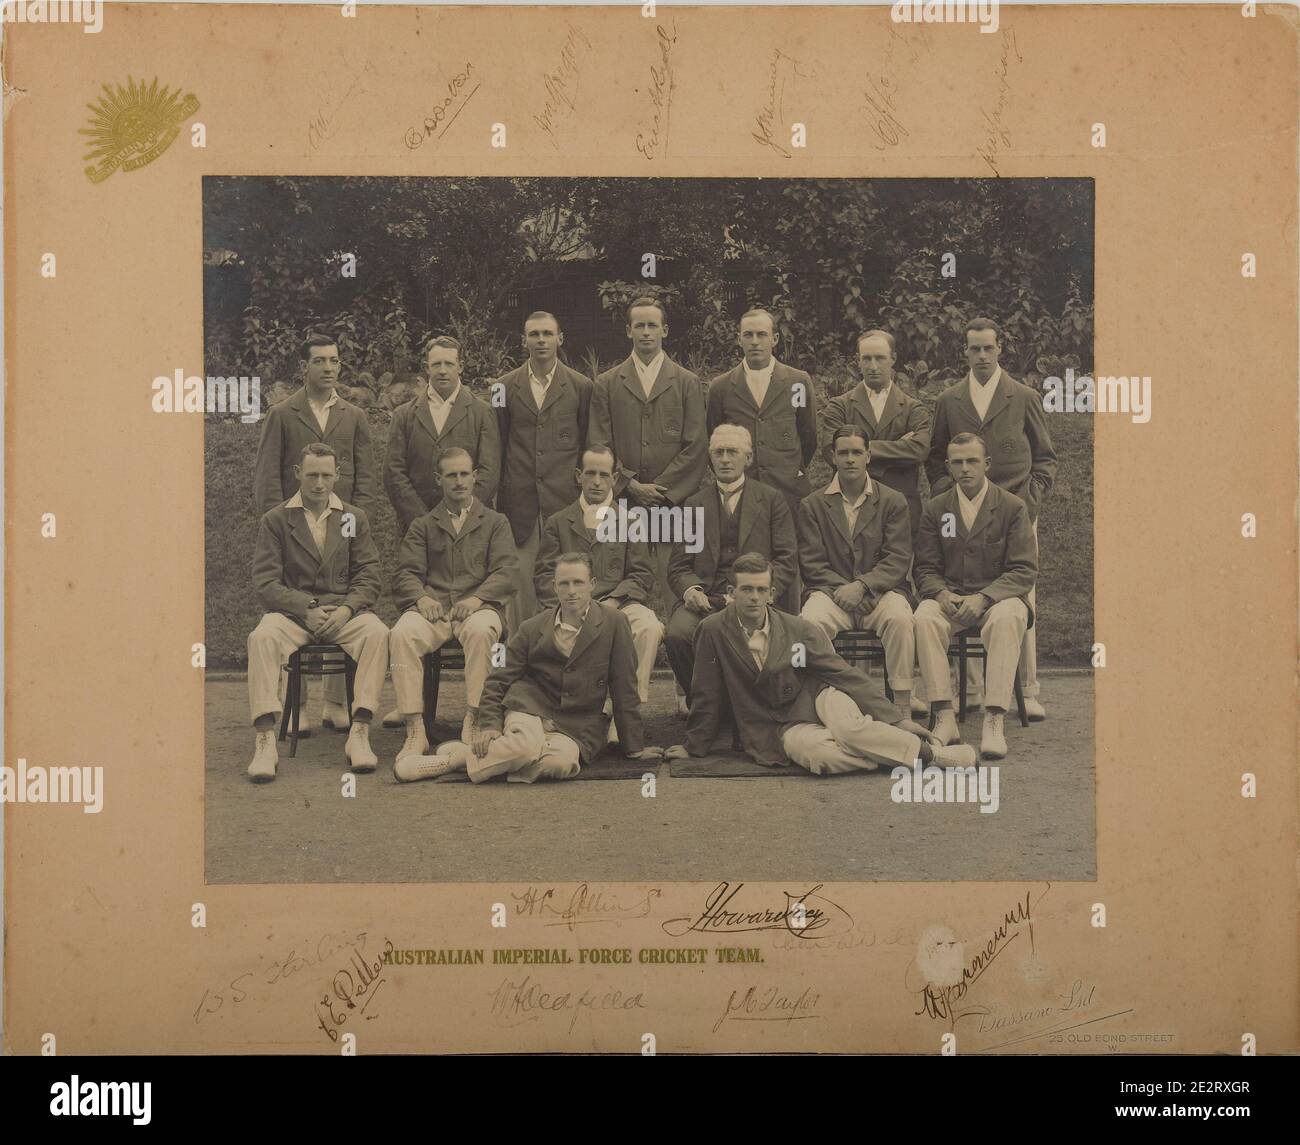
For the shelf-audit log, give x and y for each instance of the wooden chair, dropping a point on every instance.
(857, 646)
(962, 649)
(312, 660)
(450, 655)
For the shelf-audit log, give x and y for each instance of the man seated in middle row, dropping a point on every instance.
(455, 574)
(623, 570)
(541, 715)
(741, 515)
(855, 549)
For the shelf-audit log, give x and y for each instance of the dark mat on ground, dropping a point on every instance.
(728, 766)
(605, 766)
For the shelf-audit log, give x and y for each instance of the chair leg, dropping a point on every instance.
(295, 690)
(288, 704)
(961, 682)
(432, 679)
(1020, 702)
(349, 679)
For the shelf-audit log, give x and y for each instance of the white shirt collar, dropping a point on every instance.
(648, 373)
(592, 515)
(834, 487)
(535, 380)
(975, 502)
(560, 622)
(334, 396)
(295, 502)
(765, 628)
(765, 372)
(991, 384)
(437, 399)
(728, 490)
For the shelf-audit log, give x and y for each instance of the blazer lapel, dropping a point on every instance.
(558, 386)
(1001, 399)
(835, 511)
(303, 409)
(301, 532)
(863, 402)
(666, 379)
(893, 406)
(963, 400)
(985, 514)
(589, 631)
(423, 416)
(736, 636)
(333, 535)
(748, 511)
(869, 510)
(459, 411)
(631, 380)
(736, 379)
(712, 499)
(778, 385)
(524, 383)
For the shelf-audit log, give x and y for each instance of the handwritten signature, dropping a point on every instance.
(949, 973)
(442, 116)
(782, 70)
(239, 987)
(562, 84)
(996, 137)
(881, 104)
(360, 980)
(584, 906)
(514, 1003)
(770, 1005)
(806, 915)
(662, 85)
(325, 122)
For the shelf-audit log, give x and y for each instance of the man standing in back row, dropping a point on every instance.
(1009, 418)
(542, 416)
(651, 412)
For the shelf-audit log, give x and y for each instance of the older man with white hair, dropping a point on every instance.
(740, 515)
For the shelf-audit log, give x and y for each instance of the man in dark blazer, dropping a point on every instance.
(624, 576)
(444, 415)
(790, 696)
(317, 413)
(855, 551)
(455, 572)
(775, 403)
(1009, 417)
(651, 411)
(896, 425)
(542, 711)
(316, 571)
(738, 515)
(542, 415)
(976, 563)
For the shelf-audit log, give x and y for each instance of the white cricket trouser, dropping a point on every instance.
(891, 620)
(647, 632)
(526, 752)
(1002, 628)
(364, 638)
(413, 636)
(847, 740)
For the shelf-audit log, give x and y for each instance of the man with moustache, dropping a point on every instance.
(790, 696)
(316, 571)
(541, 715)
(976, 563)
(455, 572)
(775, 403)
(542, 415)
(317, 413)
(896, 425)
(624, 576)
(444, 415)
(1009, 418)
(855, 551)
(651, 411)
(740, 515)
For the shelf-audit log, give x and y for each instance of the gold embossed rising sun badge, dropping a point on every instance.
(133, 125)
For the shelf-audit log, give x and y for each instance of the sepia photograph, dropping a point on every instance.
(770, 498)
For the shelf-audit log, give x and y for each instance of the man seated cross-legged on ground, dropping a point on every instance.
(976, 563)
(541, 716)
(790, 695)
(316, 570)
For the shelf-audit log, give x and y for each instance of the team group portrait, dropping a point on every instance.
(740, 491)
